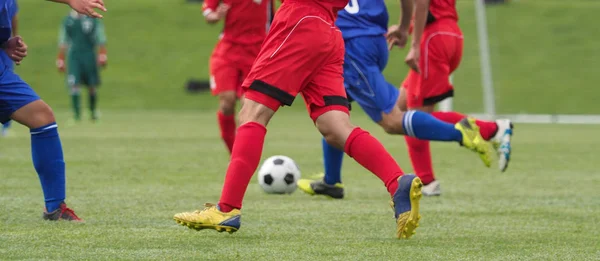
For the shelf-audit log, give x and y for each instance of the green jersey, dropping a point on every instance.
(81, 34)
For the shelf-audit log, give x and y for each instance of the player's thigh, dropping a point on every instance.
(328, 106)
(244, 62)
(411, 87)
(437, 63)
(90, 73)
(293, 53)
(369, 88)
(224, 75)
(15, 94)
(74, 74)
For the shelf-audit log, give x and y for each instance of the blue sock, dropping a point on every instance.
(6, 125)
(47, 155)
(424, 126)
(332, 158)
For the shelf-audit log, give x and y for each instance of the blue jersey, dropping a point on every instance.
(363, 18)
(8, 9)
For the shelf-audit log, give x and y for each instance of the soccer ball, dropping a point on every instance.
(278, 175)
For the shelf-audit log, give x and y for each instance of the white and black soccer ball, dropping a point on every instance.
(278, 175)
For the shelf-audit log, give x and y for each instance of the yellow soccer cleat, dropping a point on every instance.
(405, 204)
(210, 218)
(317, 186)
(472, 140)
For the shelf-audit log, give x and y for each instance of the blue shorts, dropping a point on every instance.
(14, 94)
(365, 59)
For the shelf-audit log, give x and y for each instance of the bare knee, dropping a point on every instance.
(34, 115)
(252, 111)
(335, 127)
(227, 101)
(402, 102)
(92, 90)
(392, 122)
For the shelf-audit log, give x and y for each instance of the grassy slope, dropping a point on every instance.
(139, 174)
(543, 57)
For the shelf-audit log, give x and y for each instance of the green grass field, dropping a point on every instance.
(130, 174)
(157, 152)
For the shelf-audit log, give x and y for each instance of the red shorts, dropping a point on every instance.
(441, 52)
(230, 63)
(303, 53)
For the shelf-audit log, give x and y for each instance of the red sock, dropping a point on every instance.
(420, 156)
(244, 161)
(227, 126)
(487, 129)
(448, 116)
(369, 153)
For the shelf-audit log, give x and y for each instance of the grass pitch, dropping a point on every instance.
(157, 152)
(129, 174)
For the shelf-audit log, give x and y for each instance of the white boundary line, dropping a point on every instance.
(543, 118)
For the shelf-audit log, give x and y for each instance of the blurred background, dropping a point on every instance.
(541, 55)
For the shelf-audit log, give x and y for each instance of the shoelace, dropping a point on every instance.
(69, 212)
(207, 206)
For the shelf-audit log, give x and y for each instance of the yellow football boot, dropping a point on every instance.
(210, 218)
(405, 204)
(472, 140)
(316, 186)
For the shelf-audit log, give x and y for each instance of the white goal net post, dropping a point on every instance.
(489, 101)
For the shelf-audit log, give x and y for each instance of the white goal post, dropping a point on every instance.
(489, 101)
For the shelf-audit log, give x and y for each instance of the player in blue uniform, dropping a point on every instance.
(20, 103)
(364, 25)
(13, 9)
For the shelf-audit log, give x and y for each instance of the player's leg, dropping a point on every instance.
(225, 82)
(329, 182)
(93, 101)
(419, 150)
(276, 77)
(327, 105)
(25, 107)
(73, 82)
(92, 80)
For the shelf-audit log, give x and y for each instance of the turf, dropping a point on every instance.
(128, 175)
(156, 152)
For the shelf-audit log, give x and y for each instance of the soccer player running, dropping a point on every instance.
(435, 53)
(363, 24)
(246, 25)
(20, 103)
(13, 9)
(82, 41)
(304, 53)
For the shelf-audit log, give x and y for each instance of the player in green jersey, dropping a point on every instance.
(82, 49)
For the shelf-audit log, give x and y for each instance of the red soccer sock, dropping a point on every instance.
(448, 116)
(487, 129)
(420, 156)
(244, 161)
(227, 127)
(369, 153)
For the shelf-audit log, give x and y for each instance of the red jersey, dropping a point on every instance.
(332, 6)
(442, 9)
(247, 21)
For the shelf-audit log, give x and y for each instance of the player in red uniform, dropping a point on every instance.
(246, 25)
(435, 53)
(304, 53)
